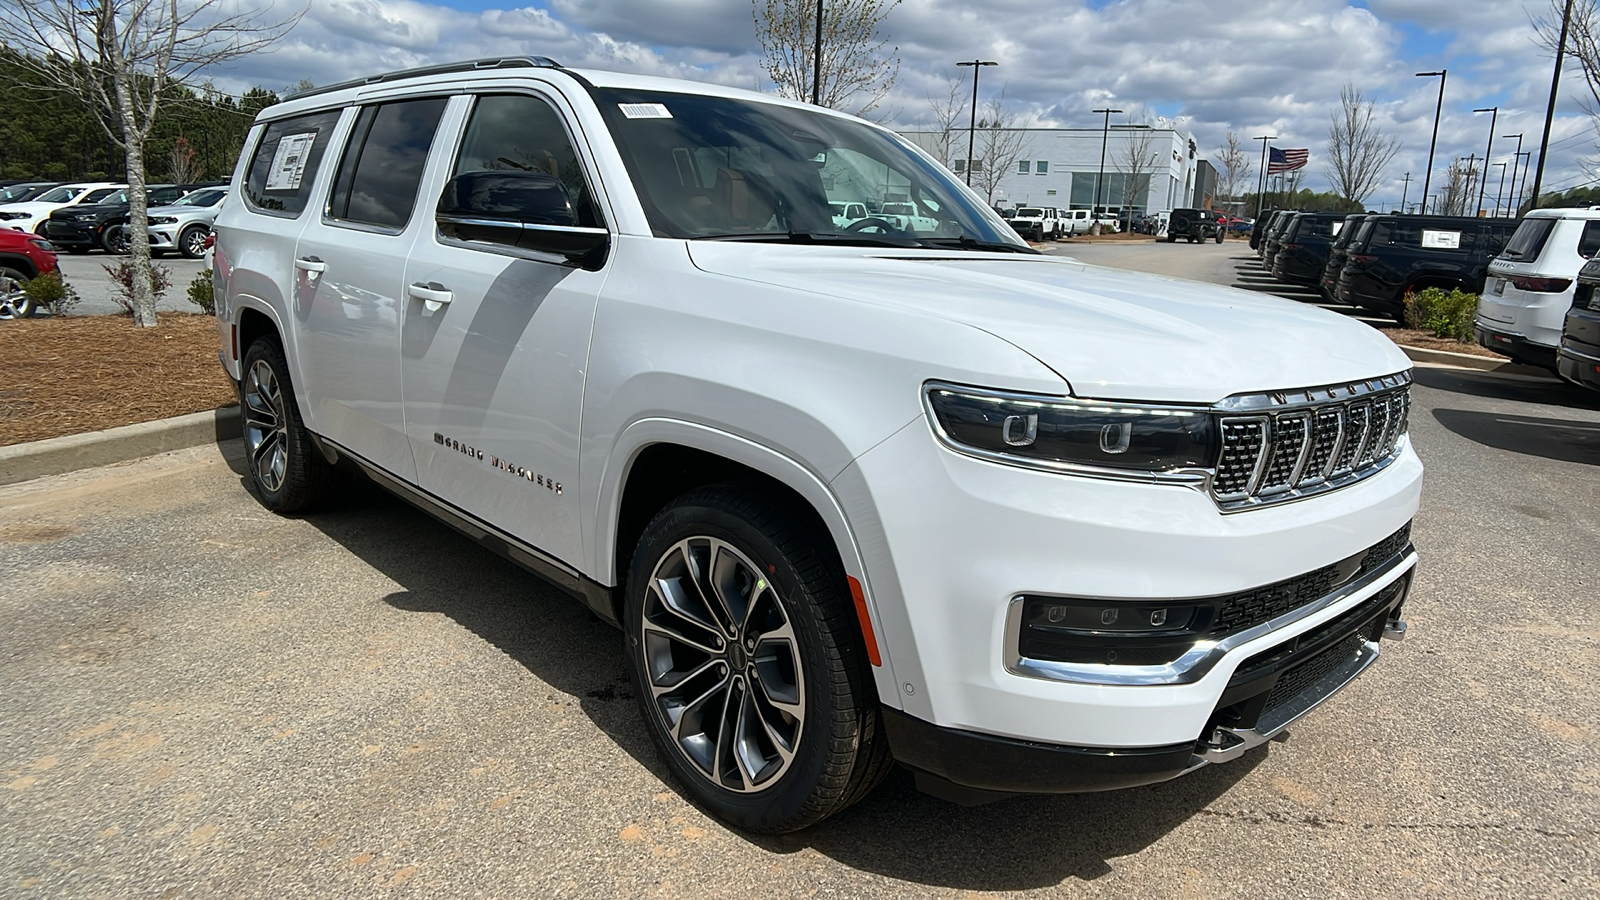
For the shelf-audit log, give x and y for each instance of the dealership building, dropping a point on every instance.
(1059, 167)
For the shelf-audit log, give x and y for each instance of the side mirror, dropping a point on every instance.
(527, 210)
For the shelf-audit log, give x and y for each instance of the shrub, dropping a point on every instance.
(1446, 314)
(200, 293)
(122, 273)
(49, 293)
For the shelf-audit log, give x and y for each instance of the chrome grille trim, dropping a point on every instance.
(1310, 441)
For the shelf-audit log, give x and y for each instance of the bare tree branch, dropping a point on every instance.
(949, 111)
(119, 58)
(1357, 151)
(1000, 144)
(857, 71)
(1135, 159)
(1233, 164)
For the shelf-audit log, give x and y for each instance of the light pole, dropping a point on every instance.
(1501, 190)
(1427, 180)
(1515, 158)
(1522, 189)
(1550, 111)
(1494, 119)
(816, 61)
(1403, 191)
(972, 127)
(1105, 130)
(1262, 175)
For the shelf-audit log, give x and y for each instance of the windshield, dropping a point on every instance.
(1030, 212)
(715, 167)
(60, 195)
(201, 198)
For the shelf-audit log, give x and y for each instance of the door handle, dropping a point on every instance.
(432, 294)
(311, 264)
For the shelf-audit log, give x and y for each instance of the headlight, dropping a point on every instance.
(42, 244)
(163, 220)
(1062, 433)
(9, 216)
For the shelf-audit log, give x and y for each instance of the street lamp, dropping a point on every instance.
(1488, 151)
(1515, 159)
(816, 61)
(1105, 130)
(1522, 189)
(1501, 190)
(1427, 180)
(972, 127)
(1550, 111)
(1261, 175)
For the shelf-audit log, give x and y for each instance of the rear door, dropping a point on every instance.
(353, 259)
(496, 339)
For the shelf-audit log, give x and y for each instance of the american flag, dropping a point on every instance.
(1286, 160)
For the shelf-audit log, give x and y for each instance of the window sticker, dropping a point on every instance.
(1441, 240)
(1338, 227)
(644, 110)
(289, 161)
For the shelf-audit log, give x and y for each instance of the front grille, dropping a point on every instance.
(1247, 609)
(1313, 670)
(1304, 442)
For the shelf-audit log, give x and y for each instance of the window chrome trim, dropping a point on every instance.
(1203, 656)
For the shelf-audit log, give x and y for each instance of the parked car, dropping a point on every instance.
(1261, 222)
(1303, 250)
(1532, 282)
(84, 227)
(1194, 225)
(23, 191)
(1037, 223)
(1274, 238)
(1396, 255)
(1075, 221)
(1578, 358)
(905, 217)
(32, 214)
(850, 497)
(185, 224)
(1338, 252)
(23, 257)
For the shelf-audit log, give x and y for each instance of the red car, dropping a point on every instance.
(23, 257)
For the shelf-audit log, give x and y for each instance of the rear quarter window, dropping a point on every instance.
(1590, 241)
(1529, 239)
(285, 163)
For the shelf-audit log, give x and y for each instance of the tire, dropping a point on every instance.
(287, 471)
(1172, 238)
(1219, 236)
(192, 241)
(800, 643)
(115, 239)
(13, 303)
(77, 251)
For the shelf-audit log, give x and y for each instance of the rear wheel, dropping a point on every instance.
(14, 304)
(287, 471)
(746, 660)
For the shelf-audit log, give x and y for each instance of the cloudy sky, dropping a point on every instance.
(1213, 66)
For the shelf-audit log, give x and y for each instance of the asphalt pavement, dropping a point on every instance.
(202, 699)
(87, 275)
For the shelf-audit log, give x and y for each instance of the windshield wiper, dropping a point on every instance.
(967, 242)
(813, 237)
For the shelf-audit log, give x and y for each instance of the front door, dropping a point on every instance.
(495, 345)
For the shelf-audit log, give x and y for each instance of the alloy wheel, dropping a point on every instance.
(723, 664)
(265, 432)
(194, 243)
(14, 302)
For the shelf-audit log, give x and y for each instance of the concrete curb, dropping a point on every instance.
(23, 462)
(1499, 366)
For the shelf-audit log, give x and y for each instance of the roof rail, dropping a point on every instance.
(509, 62)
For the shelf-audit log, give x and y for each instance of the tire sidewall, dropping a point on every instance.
(295, 439)
(183, 242)
(769, 808)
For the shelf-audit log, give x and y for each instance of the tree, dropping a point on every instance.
(1357, 151)
(1136, 159)
(122, 59)
(1456, 194)
(948, 112)
(857, 72)
(1233, 165)
(1000, 143)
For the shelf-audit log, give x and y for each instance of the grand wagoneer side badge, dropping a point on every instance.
(495, 461)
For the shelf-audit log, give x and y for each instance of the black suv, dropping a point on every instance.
(1195, 224)
(1338, 251)
(1272, 238)
(79, 229)
(1303, 249)
(1578, 360)
(1258, 231)
(1394, 255)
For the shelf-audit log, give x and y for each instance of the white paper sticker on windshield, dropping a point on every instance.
(1337, 227)
(1441, 240)
(644, 110)
(289, 161)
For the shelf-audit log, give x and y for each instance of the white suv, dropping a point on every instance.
(853, 494)
(1531, 284)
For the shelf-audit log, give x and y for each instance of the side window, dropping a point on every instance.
(383, 160)
(1590, 241)
(285, 163)
(524, 133)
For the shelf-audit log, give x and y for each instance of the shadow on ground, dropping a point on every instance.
(1021, 843)
(1493, 387)
(1566, 440)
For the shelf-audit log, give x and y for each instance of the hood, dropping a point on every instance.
(1112, 334)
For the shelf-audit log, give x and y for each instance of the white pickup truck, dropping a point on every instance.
(853, 495)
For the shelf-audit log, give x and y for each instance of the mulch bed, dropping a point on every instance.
(84, 373)
(1411, 337)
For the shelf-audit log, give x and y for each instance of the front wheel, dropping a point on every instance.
(14, 302)
(287, 471)
(192, 242)
(115, 240)
(1219, 237)
(747, 662)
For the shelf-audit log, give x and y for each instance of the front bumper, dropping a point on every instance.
(72, 234)
(1513, 344)
(163, 237)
